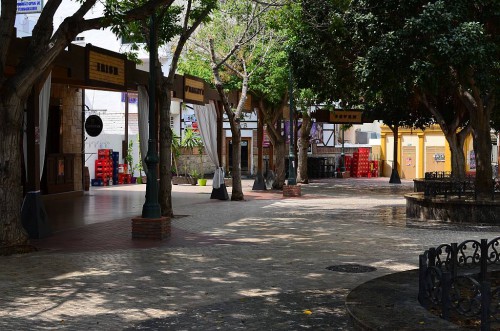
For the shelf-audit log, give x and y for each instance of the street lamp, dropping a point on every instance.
(291, 157)
(151, 208)
(342, 152)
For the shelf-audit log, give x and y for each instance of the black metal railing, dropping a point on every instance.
(442, 184)
(455, 281)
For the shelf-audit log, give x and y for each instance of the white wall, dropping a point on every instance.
(107, 141)
(435, 140)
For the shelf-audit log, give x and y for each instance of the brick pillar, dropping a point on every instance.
(151, 228)
(292, 191)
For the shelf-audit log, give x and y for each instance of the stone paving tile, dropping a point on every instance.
(266, 270)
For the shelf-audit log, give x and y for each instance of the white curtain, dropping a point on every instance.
(44, 102)
(143, 109)
(207, 124)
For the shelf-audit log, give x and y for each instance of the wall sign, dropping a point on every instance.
(439, 157)
(104, 69)
(346, 117)
(26, 7)
(194, 90)
(93, 125)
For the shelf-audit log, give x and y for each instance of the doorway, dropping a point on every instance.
(409, 162)
(245, 155)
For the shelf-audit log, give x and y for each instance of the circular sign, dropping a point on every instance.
(93, 125)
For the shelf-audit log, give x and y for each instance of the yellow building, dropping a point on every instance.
(419, 152)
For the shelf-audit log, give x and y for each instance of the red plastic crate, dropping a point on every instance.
(104, 152)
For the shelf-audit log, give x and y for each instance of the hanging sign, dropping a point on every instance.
(93, 125)
(194, 90)
(346, 117)
(104, 68)
(29, 6)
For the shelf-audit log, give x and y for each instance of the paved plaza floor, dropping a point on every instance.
(258, 264)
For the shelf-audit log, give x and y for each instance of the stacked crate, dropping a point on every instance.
(104, 166)
(123, 175)
(348, 162)
(360, 164)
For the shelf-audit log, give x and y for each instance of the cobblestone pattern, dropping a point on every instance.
(269, 272)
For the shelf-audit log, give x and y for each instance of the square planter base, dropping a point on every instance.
(292, 191)
(151, 228)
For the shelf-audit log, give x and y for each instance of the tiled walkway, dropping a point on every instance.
(251, 265)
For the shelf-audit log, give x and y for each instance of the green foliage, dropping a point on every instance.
(191, 140)
(386, 55)
(320, 50)
(195, 64)
(139, 166)
(169, 22)
(130, 158)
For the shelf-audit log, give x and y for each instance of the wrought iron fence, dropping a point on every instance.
(454, 281)
(441, 183)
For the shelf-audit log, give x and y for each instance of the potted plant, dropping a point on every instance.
(190, 141)
(141, 179)
(194, 175)
(129, 159)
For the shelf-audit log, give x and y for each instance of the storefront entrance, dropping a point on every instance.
(409, 162)
(245, 155)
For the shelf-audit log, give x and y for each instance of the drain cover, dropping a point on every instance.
(351, 268)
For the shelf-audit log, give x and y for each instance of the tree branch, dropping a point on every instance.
(7, 21)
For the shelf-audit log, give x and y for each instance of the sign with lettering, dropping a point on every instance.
(26, 7)
(105, 69)
(194, 90)
(346, 117)
(439, 157)
(133, 97)
(93, 125)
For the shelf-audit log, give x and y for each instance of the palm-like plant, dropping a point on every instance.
(190, 141)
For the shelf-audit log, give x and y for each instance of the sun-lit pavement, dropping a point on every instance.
(251, 265)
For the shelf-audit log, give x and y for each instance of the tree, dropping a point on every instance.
(44, 47)
(175, 24)
(232, 43)
(270, 85)
(306, 100)
(448, 54)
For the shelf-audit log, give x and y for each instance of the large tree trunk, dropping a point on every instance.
(482, 149)
(11, 230)
(456, 142)
(279, 163)
(303, 144)
(237, 192)
(480, 109)
(395, 178)
(451, 130)
(279, 147)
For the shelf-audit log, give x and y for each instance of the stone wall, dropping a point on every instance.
(452, 210)
(72, 126)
